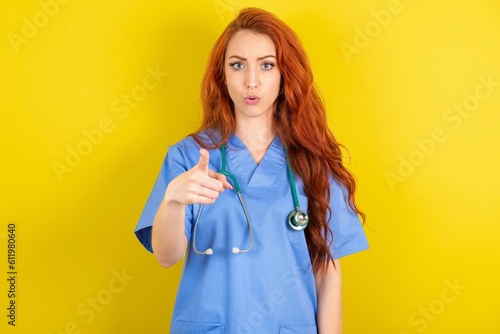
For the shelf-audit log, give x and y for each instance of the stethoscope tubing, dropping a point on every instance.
(297, 219)
(235, 250)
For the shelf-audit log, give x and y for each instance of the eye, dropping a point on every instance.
(236, 65)
(268, 66)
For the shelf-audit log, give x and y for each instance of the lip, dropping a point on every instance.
(252, 99)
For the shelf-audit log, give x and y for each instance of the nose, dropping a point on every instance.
(252, 78)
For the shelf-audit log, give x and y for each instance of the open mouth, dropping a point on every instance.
(252, 99)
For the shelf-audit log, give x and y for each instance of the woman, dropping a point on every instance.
(251, 264)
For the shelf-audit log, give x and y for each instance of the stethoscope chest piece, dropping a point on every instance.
(298, 220)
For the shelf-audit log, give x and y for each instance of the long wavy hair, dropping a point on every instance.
(299, 119)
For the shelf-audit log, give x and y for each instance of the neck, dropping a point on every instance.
(257, 138)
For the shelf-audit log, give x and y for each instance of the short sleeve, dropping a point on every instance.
(348, 234)
(173, 165)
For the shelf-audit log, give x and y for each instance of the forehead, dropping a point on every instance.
(248, 44)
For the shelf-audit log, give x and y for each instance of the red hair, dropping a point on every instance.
(299, 119)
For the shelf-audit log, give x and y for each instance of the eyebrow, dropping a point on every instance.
(259, 58)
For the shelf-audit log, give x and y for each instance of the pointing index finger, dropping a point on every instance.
(203, 162)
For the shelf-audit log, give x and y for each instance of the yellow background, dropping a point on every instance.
(431, 200)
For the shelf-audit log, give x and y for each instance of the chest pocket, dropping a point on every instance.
(185, 327)
(298, 330)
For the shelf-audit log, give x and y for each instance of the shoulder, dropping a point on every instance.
(187, 150)
(204, 138)
(183, 152)
(186, 143)
(339, 194)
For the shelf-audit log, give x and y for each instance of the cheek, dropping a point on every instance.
(275, 84)
(231, 81)
(232, 87)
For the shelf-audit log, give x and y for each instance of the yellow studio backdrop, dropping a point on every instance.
(93, 92)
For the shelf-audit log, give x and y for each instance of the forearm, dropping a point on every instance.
(198, 185)
(329, 292)
(168, 238)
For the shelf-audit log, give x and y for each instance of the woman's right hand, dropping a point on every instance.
(199, 185)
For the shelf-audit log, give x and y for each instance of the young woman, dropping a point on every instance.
(257, 200)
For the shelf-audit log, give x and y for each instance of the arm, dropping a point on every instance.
(329, 292)
(167, 237)
(197, 185)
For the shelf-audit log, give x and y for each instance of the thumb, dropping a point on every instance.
(203, 162)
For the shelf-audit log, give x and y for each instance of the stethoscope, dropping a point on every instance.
(297, 219)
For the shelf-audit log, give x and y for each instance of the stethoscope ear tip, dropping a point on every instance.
(209, 251)
(236, 250)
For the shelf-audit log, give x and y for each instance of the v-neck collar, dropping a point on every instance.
(242, 164)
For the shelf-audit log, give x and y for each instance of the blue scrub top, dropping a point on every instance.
(271, 288)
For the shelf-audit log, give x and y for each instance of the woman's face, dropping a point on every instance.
(252, 77)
